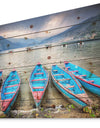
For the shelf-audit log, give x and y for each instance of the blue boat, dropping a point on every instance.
(9, 91)
(88, 80)
(1, 80)
(70, 87)
(38, 83)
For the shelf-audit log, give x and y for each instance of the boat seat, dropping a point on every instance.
(12, 86)
(63, 79)
(38, 69)
(58, 74)
(74, 71)
(12, 80)
(38, 87)
(38, 79)
(9, 93)
(38, 73)
(13, 75)
(70, 86)
(81, 75)
(55, 70)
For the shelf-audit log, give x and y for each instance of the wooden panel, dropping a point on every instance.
(73, 52)
(51, 40)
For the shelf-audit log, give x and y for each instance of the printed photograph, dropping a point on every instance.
(50, 66)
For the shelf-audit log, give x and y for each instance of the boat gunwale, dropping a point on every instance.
(87, 82)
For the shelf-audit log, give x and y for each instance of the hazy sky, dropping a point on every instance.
(49, 22)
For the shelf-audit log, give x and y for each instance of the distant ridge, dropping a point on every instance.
(88, 29)
(13, 43)
(5, 44)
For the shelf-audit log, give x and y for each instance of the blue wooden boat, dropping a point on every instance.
(70, 87)
(88, 80)
(1, 78)
(9, 91)
(38, 83)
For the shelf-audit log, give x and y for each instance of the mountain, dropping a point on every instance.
(13, 43)
(25, 42)
(88, 29)
(5, 44)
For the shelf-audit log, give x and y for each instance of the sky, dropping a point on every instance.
(48, 22)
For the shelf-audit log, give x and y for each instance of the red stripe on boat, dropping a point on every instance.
(9, 93)
(38, 79)
(37, 87)
(12, 86)
(12, 80)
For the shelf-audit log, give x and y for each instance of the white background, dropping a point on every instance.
(16, 10)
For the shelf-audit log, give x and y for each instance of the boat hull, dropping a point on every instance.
(71, 98)
(93, 87)
(38, 104)
(90, 87)
(10, 90)
(38, 89)
(11, 104)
